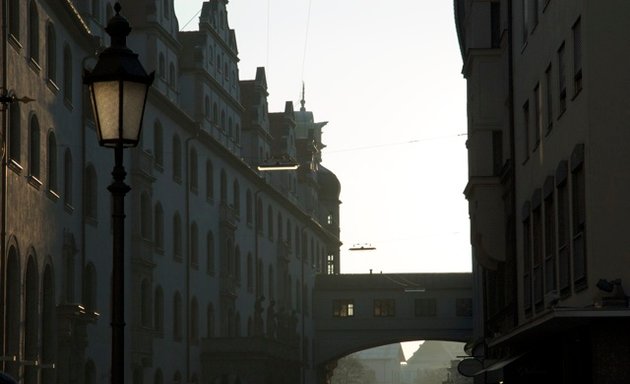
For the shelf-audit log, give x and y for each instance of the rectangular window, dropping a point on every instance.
(564, 260)
(550, 244)
(495, 24)
(497, 152)
(579, 224)
(562, 83)
(425, 307)
(577, 56)
(343, 308)
(463, 307)
(537, 115)
(526, 131)
(330, 264)
(384, 308)
(525, 20)
(549, 98)
(537, 232)
(527, 267)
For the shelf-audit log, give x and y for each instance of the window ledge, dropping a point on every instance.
(34, 181)
(54, 88)
(52, 195)
(15, 166)
(68, 103)
(13, 40)
(34, 65)
(69, 208)
(91, 221)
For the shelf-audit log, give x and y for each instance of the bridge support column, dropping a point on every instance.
(325, 372)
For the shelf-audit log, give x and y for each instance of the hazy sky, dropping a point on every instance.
(386, 75)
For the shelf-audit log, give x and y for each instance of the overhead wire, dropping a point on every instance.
(395, 144)
(191, 19)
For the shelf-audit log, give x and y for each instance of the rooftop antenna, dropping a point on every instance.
(302, 102)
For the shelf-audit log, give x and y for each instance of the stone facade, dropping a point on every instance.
(548, 154)
(220, 257)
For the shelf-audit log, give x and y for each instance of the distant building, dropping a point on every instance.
(431, 362)
(384, 362)
(548, 145)
(220, 258)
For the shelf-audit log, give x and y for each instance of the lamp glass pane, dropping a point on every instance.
(133, 107)
(106, 100)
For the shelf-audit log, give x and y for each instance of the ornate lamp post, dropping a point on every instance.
(118, 88)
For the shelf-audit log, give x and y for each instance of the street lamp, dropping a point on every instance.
(118, 87)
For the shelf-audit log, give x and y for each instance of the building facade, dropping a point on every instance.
(220, 257)
(548, 186)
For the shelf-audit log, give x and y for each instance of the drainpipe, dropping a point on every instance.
(512, 138)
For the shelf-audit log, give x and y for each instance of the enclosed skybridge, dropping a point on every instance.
(354, 312)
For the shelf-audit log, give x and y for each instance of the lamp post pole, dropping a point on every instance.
(118, 189)
(118, 87)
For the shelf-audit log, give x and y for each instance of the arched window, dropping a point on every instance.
(51, 53)
(222, 125)
(161, 66)
(297, 242)
(89, 288)
(237, 265)
(109, 11)
(215, 113)
(90, 372)
(145, 216)
(96, 9)
(194, 171)
(14, 21)
(49, 314)
(31, 319)
(177, 317)
(210, 254)
(194, 320)
(145, 303)
(177, 237)
(68, 277)
(67, 73)
(209, 180)
(279, 225)
(34, 149)
(272, 290)
(159, 378)
(270, 222)
(210, 320)
(67, 177)
(158, 237)
(13, 300)
(171, 75)
(230, 130)
(33, 31)
(248, 206)
(158, 144)
(223, 187)
(52, 162)
(166, 9)
(237, 133)
(91, 193)
(206, 107)
(250, 273)
(158, 308)
(15, 132)
(288, 233)
(177, 159)
(194, 245)
(236, 197)
(259, 215)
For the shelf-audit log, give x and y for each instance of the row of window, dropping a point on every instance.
(34, 48)
(554, 235)
(424, 307)
(530, 10)
(232, 130)
(541, 107)
(34, 164)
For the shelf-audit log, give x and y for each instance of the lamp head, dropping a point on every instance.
(118, 87)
